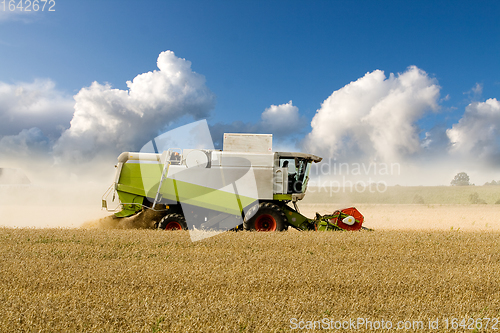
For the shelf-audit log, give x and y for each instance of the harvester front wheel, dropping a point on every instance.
(269, 217)
(173, 222)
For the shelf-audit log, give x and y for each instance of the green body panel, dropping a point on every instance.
(132, 204)
(143, 179)
(136, 177)
(130, 189)
(282, 197)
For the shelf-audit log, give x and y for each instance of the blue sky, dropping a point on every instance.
(257, 53)
(254, 54)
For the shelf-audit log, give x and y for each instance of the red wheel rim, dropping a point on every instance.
(265, 222)
(173, 225)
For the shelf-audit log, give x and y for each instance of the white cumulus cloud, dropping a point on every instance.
(108, 120)
(38, 104)
(477, 134)
(282, 119)
(374, 116)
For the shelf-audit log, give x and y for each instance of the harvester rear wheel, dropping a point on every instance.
(173, 222)
(269, 217)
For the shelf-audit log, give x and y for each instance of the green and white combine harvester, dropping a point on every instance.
(244, 186)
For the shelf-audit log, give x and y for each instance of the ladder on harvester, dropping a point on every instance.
(166, 166)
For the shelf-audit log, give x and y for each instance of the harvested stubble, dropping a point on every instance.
(67, 280)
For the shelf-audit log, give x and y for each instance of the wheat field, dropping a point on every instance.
(99, 280)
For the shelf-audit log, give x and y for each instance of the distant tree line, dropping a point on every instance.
(461, 179)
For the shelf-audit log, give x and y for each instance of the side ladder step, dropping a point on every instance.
(162, 178)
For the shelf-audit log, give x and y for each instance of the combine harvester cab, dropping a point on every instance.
(245, 185)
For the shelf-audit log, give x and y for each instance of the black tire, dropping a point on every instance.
(173, 222)
(269, 217)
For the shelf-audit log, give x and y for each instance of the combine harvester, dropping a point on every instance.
(245, 185)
